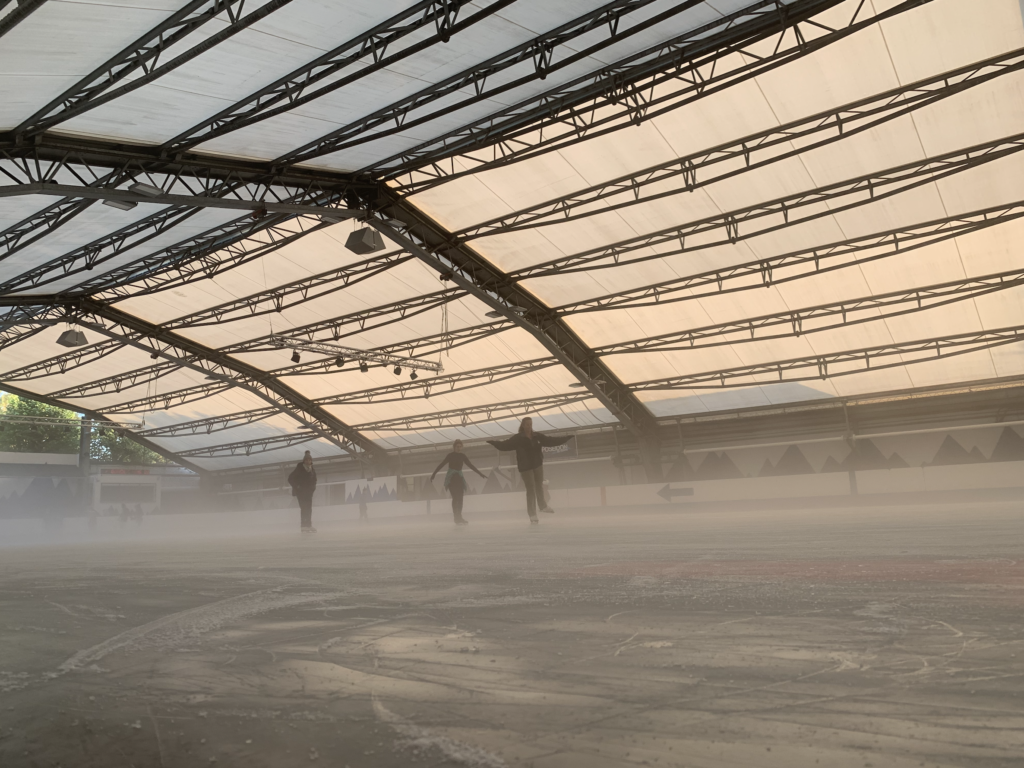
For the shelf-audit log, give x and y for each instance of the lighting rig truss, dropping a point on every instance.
(127, 379)
(828, 200)
(219, 368)
(797, 265)
(481, 414)
(845, 363)
(392, 392)
(54, 421)
(752, 152)
(342, 354)
(630, 91)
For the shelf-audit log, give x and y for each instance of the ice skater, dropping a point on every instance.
(303, 483)
(530, 461)
(454, 480)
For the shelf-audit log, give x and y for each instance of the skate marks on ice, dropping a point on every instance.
(420, 739)
(178, 629)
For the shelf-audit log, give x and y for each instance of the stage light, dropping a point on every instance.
(142, 188)
(364, 241)
(154, 355)
(340, 362)
(363, 367)
(123, 205)
(414, 375)
(398, 370)
(296, 357)
(493, 313)
(72, 338)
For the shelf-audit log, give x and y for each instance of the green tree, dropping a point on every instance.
(108, 446)
(32, 438)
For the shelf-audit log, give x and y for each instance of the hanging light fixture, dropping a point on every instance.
(363, 367)
(413, 376)
(295, 357)
(398, 370)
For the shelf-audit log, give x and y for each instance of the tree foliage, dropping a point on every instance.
(108, 446)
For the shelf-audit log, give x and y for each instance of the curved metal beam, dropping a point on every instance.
(140, 439)
(184, 352)
(436, 247)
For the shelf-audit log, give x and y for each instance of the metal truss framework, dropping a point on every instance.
(549, 52)
(779, 214)
(420, 347)
(625, 93)
(56, 421)
(627, 99)
(91, 169)
(185, 353)
(249, 447)
(801, 264)
(456, 382)
(808, 320)
(481, 414)
(752, 152)
(845, 363)
(22, 11)
(94, 416)
(432, 245)
(297, 88)
(142, 58)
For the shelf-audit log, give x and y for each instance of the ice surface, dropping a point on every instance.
(838, 637)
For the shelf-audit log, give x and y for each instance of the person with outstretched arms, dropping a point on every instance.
(530, 461)
(454, 480)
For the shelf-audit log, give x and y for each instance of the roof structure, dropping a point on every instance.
(593, 213)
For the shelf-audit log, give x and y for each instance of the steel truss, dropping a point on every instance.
(209, 425)
(420, 347)
(342, 355)
(801, 264)
(164, 401)
(549, 52)
(57, 421)
(625, 93)
(183, 352)
(290, 294)
(21, 12)
(203, 184)
(405, 390)
(800, 322)
(783, 212)
(481, 414)
(825, 366)
(93, 415)
(249, 447)
(755, 151)
(19, 323)
(201, 257)
(142, 56)
(432, 245)
(294, 89)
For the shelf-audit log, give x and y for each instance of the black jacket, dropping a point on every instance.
(303, 483)
(528, 449)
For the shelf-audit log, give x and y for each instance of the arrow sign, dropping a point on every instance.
(668, 492)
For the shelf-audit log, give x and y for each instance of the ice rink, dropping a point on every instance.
(852, 638)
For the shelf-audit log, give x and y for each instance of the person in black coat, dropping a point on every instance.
(454, 480)
(303, 483)
(530, 461)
